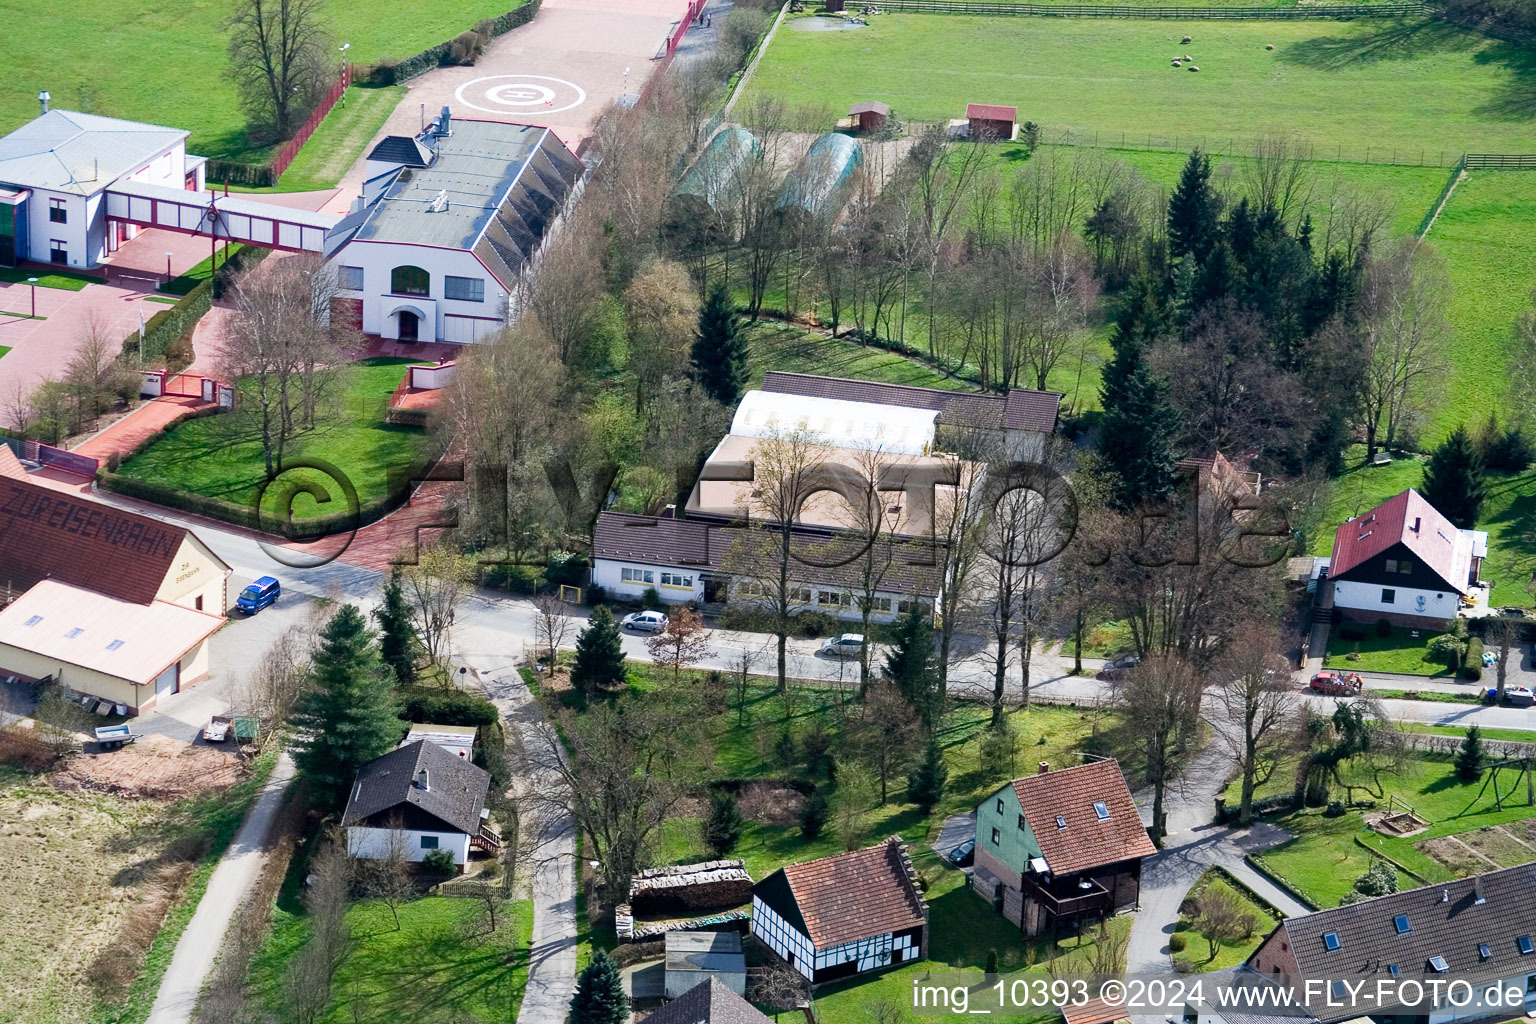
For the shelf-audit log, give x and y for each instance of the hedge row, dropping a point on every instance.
(395, 72)
(1279, 803)
(233, 172)
(1472, 662)
(169, 324)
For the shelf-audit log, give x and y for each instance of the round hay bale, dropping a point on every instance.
(1269, 46)
(1193, 68)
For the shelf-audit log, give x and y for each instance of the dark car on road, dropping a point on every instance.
(962, 855)
(1119, 668)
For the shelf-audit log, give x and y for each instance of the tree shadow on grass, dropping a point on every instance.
(1515, 99)
(1396, 40)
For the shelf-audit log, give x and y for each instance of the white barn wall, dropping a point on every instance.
(608, 574)
(791, 944)
(1366, 597)
(373, 843)
(378, 259)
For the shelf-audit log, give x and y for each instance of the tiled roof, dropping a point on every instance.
(1436, 543)
(856, 895)
(1094, 1011)
(454, 794)
(1087, 841)
(401, 149)
(1022, 409)
(704, 542)
(708, 1002)
(46, 534)
(991, 112)
(869, 107)
(1446, 920)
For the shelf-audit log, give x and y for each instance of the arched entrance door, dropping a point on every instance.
(410, 325)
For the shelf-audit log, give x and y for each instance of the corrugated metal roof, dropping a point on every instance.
(838, 423)
(66, 151)
(493, 188)
(128, 641)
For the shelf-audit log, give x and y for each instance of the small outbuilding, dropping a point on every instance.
(709, 1002)
(870, 116)
(991, 123)
(697, 957)
(458, 740)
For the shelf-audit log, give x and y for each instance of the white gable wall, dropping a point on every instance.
(790, 943)
(1366, 597)
(448, 319)
(374, 843)
(84, 231)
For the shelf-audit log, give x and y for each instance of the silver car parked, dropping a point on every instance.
(849, 645)
(645, 622)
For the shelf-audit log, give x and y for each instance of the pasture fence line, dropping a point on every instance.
(1440, 201)
(1311, 13)
(1499, 162)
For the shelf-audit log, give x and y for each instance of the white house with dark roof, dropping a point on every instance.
(1404, 562)
(416, 799)
(448, 222)
(55, 171)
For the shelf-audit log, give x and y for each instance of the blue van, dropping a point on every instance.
(258, 595)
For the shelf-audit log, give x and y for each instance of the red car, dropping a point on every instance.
(1337, 684)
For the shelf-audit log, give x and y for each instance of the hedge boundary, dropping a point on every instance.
(1256, 862)
(171, 323)
(395, 72)
(1248, 891)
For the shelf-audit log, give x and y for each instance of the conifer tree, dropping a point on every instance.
(397, 641)
(599, 997)
(347, 715)
(925, 784)
(912, 664)
(1469, 759)
(1455, 481)
(599, 655)
(1193, 210)
(722, 829)
(720, 350)
(1136, 440)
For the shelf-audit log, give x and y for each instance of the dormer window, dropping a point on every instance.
(1331, 941)
(1526, 948)
(1101, 809)
(1483, 952)
(1438, 964)
(1061, 822)
(1401, 922)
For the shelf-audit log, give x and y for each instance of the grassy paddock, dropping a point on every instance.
(220, 456)
(1113, 76)
(166, 60)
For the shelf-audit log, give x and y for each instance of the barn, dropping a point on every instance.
(108, 603)
(447, 223)
(870, 116)
(991, 123)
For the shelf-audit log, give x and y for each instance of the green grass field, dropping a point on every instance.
(220, 456)
(67, 281)
(1228, 954)
(1397, 652)
(164, 61)
(1487, 234)
(1339, 86)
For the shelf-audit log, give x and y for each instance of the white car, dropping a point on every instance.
(846, 646)
(645, 622)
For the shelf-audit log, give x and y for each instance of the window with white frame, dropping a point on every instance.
(464, 289)
(799, 595)
(676, 579)
(879, 604)
(751, 588)
(58, 212)
(832, 599)
(350, 278)
(637, 576)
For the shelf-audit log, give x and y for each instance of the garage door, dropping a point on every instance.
(464, 329)
(168, 682)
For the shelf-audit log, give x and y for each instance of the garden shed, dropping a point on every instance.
(991, 123)
(870, 116)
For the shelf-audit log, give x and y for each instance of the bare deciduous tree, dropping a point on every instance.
(280, 55)
(1254, 705)
(1161, 700)
(1400, 335)
(551, 623)
(434, 588)
(663, 314)
(307, 985)
(682, 642)
(388, 878)
(1276, 178)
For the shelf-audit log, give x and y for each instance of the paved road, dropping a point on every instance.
(227, 887)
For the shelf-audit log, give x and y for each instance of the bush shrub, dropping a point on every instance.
(466, 47)
(651, 599)
(1447, 649)
(1474, 657)
(446, 707)
(1177, 942)
(813, 624)
(1184, 965)
(1335, 809)
(439, 864)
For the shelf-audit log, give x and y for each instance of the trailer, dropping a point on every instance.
(111, 737)
(218, 728)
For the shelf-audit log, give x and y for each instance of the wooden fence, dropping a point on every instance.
(1499, 162)
(988, 7)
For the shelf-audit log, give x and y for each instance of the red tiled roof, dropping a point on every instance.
(45, 534)
(10, 465)
(1033, 410)
(991, 112)
(1086, 842)
(1094, 1011)
(1436, 542)
(856, 895)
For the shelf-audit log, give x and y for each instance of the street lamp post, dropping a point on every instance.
(342, 49)
(168, 267)
(33, 282)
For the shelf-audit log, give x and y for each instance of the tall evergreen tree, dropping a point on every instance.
(599, 997)
(925, 784)
(723, 827)
(913, 665)
(397, 641)
(599, 655)
(720, 350)
(1193, 210)
(1455, 481)
(347, 715)
(1136, 438)
(1469, 759)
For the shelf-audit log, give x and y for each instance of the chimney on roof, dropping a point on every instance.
(1477, 890)
(421, 781)
(1445, 895)
(1416, 521)
(1045, 766)
(43, 98)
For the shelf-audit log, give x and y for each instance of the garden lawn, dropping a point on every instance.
(184, 283)
(442, 963)
(780, 346)
(220, 456)
(1324, 859)
(1509, 516)
(48, 279)
(339, 140)
(1113, 76)
(166, 61)
(1397, 652)
(1487, 234)
(1492, 735)
(3, 350)
(1197, 947)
